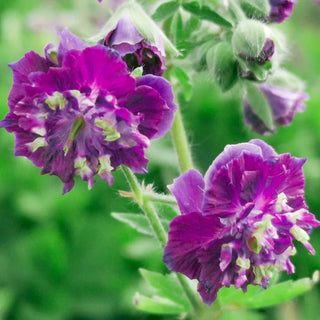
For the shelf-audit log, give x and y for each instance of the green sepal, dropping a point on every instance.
(223, 65)
(249, 38)
(257, 9)
(165, 10)
(206, 13)
(137, 72)
(259, 105)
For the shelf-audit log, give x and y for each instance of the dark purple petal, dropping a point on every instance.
(230, 152)
(188, 190)
(165, 90)
(21, 70)
(125, 38)
(68, 42)
(188, 234)
(284, 103)
(281, 10)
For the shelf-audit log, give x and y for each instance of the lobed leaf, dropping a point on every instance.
(165, 10)
(206, 13)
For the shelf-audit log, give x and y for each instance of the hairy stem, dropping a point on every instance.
(181, 143)
(152, 215)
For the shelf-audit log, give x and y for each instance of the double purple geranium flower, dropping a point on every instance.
(78, 111)
(238, 223)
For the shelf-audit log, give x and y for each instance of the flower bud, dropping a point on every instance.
(134, 49)
(137, 38)
(251, 42)
(281, 10)
(223, 65)
(279, 102)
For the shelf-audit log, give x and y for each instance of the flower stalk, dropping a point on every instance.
(181, 143)
(153, 218)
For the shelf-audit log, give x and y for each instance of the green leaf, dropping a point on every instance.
(184, 81)
(166, 286)
(157, 305)
(192, 24)
(136, 221)
(166, 212)
(177, 28)
(206, 13)
(169, 297)
(257, 297)
(256, 8)
(259, 105)
(223, 65)
(165, 10)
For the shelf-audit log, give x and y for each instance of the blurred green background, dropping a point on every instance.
(64, 257)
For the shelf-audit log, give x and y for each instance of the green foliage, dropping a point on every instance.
(259, 104)
(165, 10)
(136, 221)
(223, 65)
(169, 297)
(206, 13)
(249, 38)
(256, 8)
(257, 297)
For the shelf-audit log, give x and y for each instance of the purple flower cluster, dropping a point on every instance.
(78, 111)
(238, 223)
(284, 103)
(281, 10)
(135, 50)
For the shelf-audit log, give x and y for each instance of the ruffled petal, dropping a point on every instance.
(188, 190)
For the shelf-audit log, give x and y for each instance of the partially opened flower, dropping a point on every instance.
(238, 223)
(281, 10)
(284, 104)
(80, 112)
(135, 50)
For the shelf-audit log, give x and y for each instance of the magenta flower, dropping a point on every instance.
(281, 10)
(135, 50)
(238, 223)
(80, 112)
(284, 104)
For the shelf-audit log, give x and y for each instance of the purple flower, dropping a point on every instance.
(238, 223)
(79, 111)
(284, 103)
(281, 10)
(135, 50)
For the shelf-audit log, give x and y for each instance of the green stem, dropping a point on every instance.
(147, 207)
(181, 143)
